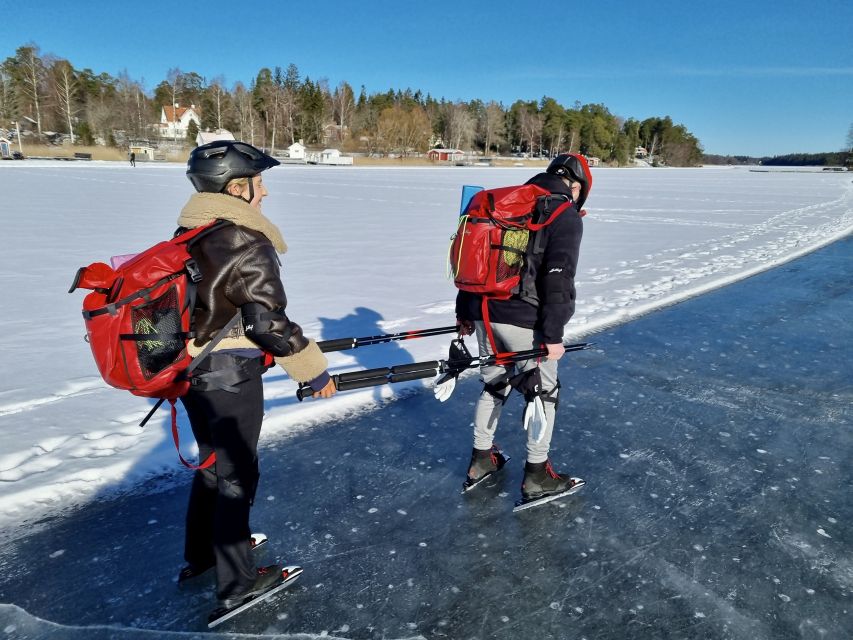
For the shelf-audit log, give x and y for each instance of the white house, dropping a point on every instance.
(204, 137)
(175, 120)
(329, 156)
(142, 151)
(296, 151)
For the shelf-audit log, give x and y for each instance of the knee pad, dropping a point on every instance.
(498, 390)
(553, 395)
(208, 477)
(239, 489)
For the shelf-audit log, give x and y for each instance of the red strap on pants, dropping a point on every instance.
(211, 459)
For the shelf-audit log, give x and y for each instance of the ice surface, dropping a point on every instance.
(368, 251)
(715, 437)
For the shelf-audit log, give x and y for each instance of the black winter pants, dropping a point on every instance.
(217, 527)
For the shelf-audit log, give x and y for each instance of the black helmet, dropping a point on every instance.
(575, 167)
(212, 166)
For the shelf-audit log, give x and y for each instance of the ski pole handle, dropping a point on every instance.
(304, 392)
(345, 384)
(359, 379)
(341, 344)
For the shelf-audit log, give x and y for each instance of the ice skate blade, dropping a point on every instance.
(291, 574)
(470, 484)
(521, 505)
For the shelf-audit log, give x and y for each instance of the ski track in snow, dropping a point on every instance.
(79, 388)
(63, 446)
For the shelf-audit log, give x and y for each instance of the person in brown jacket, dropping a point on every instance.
(240, 272)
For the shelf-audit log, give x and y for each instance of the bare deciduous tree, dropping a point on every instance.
(8, 104)
(404, 131)
(217, 92)
(461, 126)
(175, 79)
(32, 78)
(64, 83)
(246, 115)
(531, 128)
(101, 117)
(493, 126)
(343, 104)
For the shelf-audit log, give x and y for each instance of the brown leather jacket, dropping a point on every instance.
(239, 265)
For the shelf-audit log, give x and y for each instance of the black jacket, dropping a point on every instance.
(546, 300)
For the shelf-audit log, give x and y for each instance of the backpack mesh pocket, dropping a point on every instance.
(162, 319)
(512, 250)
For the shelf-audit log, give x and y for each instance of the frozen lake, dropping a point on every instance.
(714, 435)
(368, 250)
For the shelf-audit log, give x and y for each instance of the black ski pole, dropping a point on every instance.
(343, 344)
(417, 370)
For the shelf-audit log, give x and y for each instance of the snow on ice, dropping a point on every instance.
(368, 251)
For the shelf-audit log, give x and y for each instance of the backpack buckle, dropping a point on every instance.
(193, 270)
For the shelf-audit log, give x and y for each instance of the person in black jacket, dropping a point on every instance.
(535, 316)
(240, 273)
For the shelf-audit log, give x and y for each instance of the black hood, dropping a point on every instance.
(552, 183)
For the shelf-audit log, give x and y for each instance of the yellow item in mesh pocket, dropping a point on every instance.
(515, 239)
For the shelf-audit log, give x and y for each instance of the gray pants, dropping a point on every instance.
(511, 338)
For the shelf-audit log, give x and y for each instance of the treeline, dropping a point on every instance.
(280, 107)
(830, 159)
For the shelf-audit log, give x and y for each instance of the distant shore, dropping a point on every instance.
(119, 155)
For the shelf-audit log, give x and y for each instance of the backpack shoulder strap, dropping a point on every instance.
(563, 203)
(193, 236)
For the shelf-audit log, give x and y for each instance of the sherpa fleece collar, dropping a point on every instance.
(204, 208)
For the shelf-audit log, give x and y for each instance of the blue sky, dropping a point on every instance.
(757, 77)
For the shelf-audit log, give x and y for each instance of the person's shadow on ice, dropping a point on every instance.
(364, 323)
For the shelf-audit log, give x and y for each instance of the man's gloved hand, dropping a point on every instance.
(464, 327)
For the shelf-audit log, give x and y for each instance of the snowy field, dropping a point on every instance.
(367, 255)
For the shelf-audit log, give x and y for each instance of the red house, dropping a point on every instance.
(445, 155)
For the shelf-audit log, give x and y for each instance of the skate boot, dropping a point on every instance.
(484, 463)
(190, 571)
(542, 484)
(267, 578)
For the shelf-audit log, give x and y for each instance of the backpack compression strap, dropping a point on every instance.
(211, 459)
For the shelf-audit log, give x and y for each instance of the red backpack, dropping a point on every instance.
(139, 319)
(488, 253)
